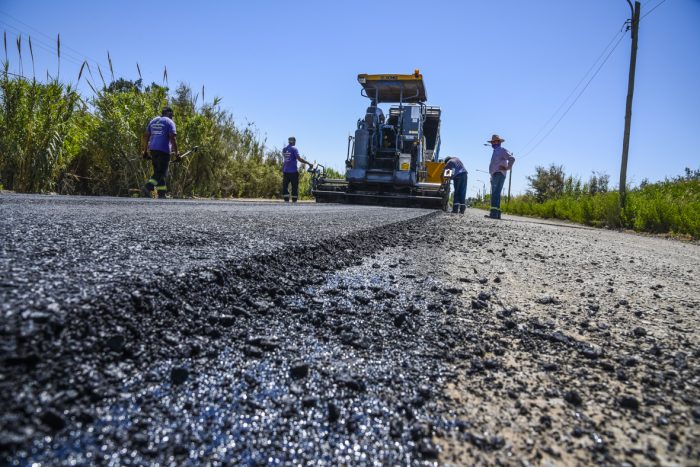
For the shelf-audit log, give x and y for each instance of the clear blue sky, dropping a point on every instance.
(497, 66)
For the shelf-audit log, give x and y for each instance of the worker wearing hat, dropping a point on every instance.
(290, 171)
(159, 142)
(501, 162)
(459, 178)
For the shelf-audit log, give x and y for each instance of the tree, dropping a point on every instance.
(547, 183)
(124, 85)
(572, 186)
(691, 174)
(598, 183)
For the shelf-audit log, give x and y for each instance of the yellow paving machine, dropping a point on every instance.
(391, 160)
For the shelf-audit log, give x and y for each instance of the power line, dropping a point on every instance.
(572, 91)
(43, 45)
(81, 56)
(576, 99)
(68, 54)
(582, 90)
(654, 8)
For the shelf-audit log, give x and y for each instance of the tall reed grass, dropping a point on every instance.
(53, 139)
(36, 120)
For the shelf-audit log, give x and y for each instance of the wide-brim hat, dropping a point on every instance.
(496, 139)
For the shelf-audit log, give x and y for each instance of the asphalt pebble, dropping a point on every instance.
(299, 370)
(573, 398)
(333, 412)
(53, 420)
(179, 375)
(629, 402)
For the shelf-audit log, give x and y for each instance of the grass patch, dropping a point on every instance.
(671, 206)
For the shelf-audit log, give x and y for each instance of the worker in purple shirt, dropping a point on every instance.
(501, 162)
(290, 171)
(159, 142)
(459, 178)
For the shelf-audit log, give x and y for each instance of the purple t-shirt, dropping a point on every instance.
(160, 129)
(291, 154)
(456, 165)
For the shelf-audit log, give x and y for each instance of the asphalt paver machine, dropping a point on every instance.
(392, 160)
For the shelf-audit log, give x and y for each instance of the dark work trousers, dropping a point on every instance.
(293, 178)
(497, 181)
(161, 162)
(459, 203)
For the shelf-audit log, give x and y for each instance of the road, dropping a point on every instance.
(139, 331)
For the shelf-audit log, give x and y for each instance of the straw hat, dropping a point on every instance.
(496, 139)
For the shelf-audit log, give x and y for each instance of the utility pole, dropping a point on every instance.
(630, 92)
(510, 177)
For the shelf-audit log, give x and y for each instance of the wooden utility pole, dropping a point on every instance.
(630, 92)
(510, 177)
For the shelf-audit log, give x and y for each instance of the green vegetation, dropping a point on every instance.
(35, 123)
(671, 206)
(52, 139)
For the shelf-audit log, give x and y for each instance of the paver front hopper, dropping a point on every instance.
(392, 159)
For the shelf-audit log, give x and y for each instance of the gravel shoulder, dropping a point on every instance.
(588, 346)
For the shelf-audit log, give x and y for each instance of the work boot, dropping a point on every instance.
(146, 192)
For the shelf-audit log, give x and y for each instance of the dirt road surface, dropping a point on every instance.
(187, 332)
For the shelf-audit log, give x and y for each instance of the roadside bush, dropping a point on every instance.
(671, 206)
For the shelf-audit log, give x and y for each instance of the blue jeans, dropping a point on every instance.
(460, 196)
(497, 181)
